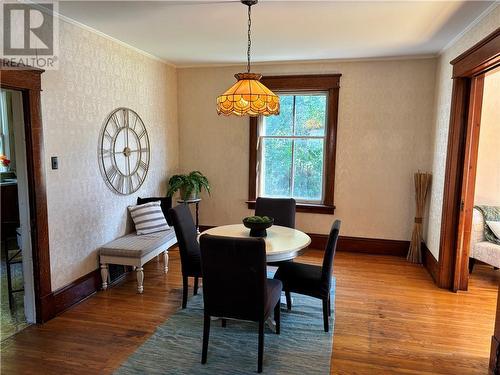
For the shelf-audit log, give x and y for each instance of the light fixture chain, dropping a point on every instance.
(249, 37)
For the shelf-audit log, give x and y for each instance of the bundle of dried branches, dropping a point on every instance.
(422, 182)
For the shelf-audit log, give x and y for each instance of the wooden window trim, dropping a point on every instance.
(303, 83)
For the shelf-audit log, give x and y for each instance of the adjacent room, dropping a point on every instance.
(485, 246)
(239, 187)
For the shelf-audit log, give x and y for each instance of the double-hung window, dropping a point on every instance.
(293, 154)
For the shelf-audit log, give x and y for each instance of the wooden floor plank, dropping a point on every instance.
(390, 319)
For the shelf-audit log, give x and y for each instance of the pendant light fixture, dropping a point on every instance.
(248, 96)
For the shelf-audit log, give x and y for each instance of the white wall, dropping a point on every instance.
(442, 119)
(384, 133)
(487, 190)
(97, 75)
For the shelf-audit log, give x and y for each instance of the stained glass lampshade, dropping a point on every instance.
(248, 96)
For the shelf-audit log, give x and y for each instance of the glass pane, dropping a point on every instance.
(283, 123)
(310, 115)
(276, 167)
(308, 169)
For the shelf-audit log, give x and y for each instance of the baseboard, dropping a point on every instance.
(430, 263)
(376, 246)
(77, 291)
(362, 245)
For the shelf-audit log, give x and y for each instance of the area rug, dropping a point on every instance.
(11, 320)
(303, 347)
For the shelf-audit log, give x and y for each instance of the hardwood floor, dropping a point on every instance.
(390, 319)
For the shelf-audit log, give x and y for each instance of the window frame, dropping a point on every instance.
(292, 137)
(329, 83)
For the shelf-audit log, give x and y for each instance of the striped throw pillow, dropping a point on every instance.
(148, 218)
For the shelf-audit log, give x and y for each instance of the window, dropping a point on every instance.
(291, 149)
(293, 154)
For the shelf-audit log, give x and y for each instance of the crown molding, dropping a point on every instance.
(483, 15)
(318, 61)
(80, 25)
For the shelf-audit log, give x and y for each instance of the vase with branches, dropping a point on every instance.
(189, 185)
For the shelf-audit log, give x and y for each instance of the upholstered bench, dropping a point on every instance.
(136, 250)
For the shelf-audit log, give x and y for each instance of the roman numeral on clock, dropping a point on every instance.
(111, 173)
(143, 165)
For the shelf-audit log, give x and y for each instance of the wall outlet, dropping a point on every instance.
(55, 162)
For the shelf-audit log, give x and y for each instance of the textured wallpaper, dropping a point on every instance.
(97, 75)
(442, 121)
(384, 135)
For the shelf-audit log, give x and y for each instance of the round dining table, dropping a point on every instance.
(282, 243)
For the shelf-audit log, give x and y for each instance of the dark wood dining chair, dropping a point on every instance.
(189, 248)
(312, 280)
(281, 209)
(235, 285)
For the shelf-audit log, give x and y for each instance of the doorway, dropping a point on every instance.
(484, 243)
(27, 81)
(16, 282)
(469, 72)
(477, 241)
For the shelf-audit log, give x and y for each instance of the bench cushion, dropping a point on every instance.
(134, 246)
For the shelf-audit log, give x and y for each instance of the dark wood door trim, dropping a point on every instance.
(461, 276)
(28, 81)
(479, 59)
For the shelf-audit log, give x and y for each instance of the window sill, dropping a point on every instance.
(306, 207)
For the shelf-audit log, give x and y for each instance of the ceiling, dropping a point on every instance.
(188, 33)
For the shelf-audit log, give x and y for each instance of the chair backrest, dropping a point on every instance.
(281, 209)
(234, 276)
(185, 231)
(331, 246)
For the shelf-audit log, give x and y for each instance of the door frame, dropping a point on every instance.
(28, 81)
(468, 77)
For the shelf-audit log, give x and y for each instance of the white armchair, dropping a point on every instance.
(481, 249)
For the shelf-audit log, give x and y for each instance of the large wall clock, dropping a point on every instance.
(124, 151)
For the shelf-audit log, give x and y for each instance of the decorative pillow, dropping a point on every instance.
(495, 227)
(165, 203)
(148, 218)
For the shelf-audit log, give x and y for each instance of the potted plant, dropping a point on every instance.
(189, 185)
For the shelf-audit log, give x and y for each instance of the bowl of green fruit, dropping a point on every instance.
(258, 225)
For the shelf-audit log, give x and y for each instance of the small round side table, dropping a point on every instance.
(196, 202)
